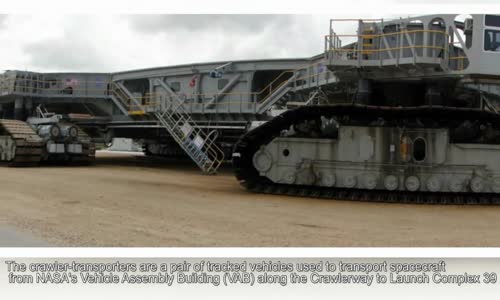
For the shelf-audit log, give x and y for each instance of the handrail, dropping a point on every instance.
(152, 95)
(353, 20)
(105, 90)
(367, 52)
(15, 80)
(388, 49)
(171, 117)
(81, 82)
(274, 80)
(371, 35)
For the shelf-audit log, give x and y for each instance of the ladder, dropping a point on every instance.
(198, 144)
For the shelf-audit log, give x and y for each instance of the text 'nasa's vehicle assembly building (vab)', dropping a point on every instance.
(406, 111)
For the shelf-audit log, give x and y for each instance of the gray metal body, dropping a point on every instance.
(424, 46)
(219, 99)
(202, 109)
(420, 61)
(235, 94)
(379, 158)
(63, 140)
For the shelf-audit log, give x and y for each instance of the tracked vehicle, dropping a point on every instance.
(48, 137)
(413, 118)
(197, 111)
(19, 143)
(63, 140)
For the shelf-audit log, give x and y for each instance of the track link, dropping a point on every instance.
(88, 148)
(28, 145)
(249, 143)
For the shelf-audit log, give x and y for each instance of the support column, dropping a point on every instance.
(18, 109)
(28, 107)
(433, 96)
(364, 91)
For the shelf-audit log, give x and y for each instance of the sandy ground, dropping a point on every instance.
(127, 200)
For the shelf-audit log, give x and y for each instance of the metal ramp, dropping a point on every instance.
(199, 145)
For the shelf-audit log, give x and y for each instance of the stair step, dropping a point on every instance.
(172, 117)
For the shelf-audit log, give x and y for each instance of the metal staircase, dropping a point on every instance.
(277, 94)
(302, 79)
(127, 104)
(198, 144)
(170, 112)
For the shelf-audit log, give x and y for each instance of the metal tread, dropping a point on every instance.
(372, 195)
(29, 146)
(251, 142)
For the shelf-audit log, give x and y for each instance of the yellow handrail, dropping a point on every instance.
(353, 20)
(388, 49)
(389, 33)
(79, 88)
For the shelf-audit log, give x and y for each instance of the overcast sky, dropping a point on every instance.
(107, 43)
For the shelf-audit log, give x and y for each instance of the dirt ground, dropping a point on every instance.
(127, 200)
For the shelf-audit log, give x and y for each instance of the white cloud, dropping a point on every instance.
(108, 43)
